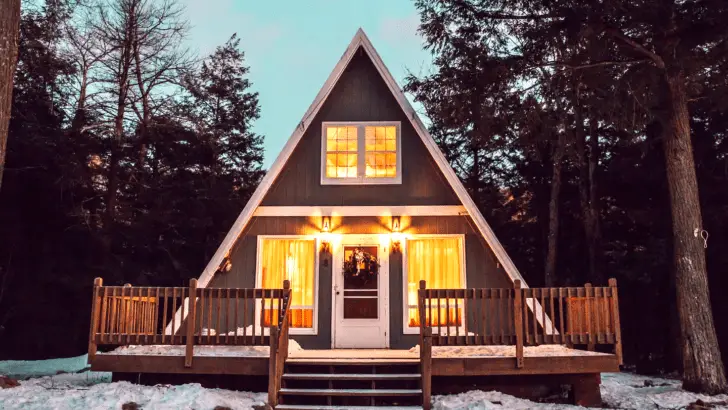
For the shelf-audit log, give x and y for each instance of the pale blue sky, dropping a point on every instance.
(291, 47)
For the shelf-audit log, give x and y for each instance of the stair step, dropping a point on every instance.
(351, 392)
(317, 407)
(352, 362)
(350, 376)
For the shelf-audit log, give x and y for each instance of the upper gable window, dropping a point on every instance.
(361, 153)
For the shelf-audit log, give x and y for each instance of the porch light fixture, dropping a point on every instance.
(325, 234)
(396, 235)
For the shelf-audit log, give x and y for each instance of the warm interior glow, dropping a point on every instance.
(292, 259)
(341, 152)
(381, 151)
(439, 262)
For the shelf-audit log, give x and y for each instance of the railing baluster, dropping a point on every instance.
(544, 328)
(104, 312)
(562, 338)
(483, 317)
(597, 323)
(237, 307)
(553, 315)
(174, 316)
(227, 316)
(588, 314)
(210, 323)
(457, 318)
(218, 324)
(245, 316)
(524, 304)
(534, 295)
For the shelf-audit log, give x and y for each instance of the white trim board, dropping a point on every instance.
(361, 40)
(406, 210)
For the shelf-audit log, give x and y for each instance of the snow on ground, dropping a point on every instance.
(18, 369)
(91, 390)
(202, 350)
(505, 351)
(619, 391)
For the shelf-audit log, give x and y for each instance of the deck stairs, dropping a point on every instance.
(350, 384)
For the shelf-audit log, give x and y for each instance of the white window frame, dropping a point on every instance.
(463, 278)
(259, 276)
(361, 178)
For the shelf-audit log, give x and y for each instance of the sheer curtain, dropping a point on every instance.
(439, 262)
(292, 259)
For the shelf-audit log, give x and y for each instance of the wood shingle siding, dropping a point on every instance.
(481, 267)
(360, 95)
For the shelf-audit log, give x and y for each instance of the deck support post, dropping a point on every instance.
(422, 314)
(273, 368)
(95, 302)
(426, 368)
(518, 321)
(191, 313)
(585, 390)
(615, 315)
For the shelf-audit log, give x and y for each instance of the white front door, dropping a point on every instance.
(361, 313)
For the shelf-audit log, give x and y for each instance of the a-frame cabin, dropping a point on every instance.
(362, 246)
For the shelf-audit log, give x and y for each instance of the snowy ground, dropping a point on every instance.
(92, 390)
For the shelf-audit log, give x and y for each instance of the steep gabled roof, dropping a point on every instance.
(359, 40)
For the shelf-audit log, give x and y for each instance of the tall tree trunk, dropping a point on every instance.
(553, 237)
(9, 34)
(592, 226)
(703, 369)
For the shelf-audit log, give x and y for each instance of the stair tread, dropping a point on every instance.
(352, 376)
(319, 407)
(349, 361)
(352, 392)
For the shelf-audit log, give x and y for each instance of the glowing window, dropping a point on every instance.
(295, 260)
(361, 153)
(341, 152)
(381, 151)
(438, 261)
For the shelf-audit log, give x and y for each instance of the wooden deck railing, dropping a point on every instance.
(522, 316)
(127, 315)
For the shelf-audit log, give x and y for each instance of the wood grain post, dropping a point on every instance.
(421, 310)
(191, 313)
(615, 316)
(589, 306)
(95, 302)
(273, 368)
(518, 321)
(426, 368)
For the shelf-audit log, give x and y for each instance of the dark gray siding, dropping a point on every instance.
(360, 95)
(481, 267)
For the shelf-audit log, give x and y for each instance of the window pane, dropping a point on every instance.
(437, 261)
(381, 148)
(292, 259)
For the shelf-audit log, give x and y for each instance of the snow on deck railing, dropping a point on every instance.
(126, 315)
(522, 316)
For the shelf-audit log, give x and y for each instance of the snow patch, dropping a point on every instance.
(93, 391)
(202, 350)
(505, 351)
(619, 391)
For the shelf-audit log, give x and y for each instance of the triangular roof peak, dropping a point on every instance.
(360, 40)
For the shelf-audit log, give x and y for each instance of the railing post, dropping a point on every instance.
(191, 313)
(616, 324)
(422, 314)
(273, 368)
(426, 368)
(95, 302)
(518, 321)
(283, 316)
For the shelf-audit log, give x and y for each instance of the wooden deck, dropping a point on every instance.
(577, 362)
(514, 336)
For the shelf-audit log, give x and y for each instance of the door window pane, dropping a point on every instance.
(361, 288)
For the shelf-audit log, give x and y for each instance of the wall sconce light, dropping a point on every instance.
(396, 235)
(326, 234)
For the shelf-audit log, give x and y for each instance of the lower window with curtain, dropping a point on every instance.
(293, 259)
(440, 262)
